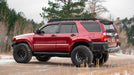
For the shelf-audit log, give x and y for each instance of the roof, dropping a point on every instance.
(82, 19)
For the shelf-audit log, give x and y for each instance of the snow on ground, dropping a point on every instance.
(6, 57)
(112, 56)
(118, 54)
(4, 61)
(59, 58)
(11, 57)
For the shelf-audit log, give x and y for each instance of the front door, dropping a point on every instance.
(46, 41)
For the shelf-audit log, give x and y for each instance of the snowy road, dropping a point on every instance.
(116, 65)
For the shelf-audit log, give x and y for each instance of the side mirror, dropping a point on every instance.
(38, 31)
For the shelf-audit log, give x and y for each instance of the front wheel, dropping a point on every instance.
(22, 53)
(81, 56)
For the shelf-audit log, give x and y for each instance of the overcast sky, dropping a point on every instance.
(32, 8)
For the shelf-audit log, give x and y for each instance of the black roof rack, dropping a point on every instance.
(71, 19)
(106, 22)
(82, 19)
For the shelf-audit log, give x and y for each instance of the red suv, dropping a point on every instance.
(84, 40)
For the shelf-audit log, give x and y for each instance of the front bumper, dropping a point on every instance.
(13, 43)
(103, 47)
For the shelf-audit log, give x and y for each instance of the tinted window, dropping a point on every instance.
(74, 29)
(91, 26)
(109, 28)
(68, 28)
(50, 29)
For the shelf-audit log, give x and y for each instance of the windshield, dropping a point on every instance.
(109, 28)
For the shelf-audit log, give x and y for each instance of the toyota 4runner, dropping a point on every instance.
(84, 40)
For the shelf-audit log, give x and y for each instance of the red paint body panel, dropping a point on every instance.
(44, 42)
(25, 38)
(65, 40)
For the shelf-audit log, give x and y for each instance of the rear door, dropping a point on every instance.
(67, 33)
(112, 35)
(93, 29)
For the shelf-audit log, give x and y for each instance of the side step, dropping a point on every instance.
(53, 53)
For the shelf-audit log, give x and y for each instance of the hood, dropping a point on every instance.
(23, 36)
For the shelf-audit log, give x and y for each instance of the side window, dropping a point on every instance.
(50, 29)
(68, 28)
(109, 28)
(91, 26)
(74, 29)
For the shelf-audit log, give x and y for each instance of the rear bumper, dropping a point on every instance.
(115, 49)
(103, 47)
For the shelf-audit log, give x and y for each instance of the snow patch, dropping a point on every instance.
(9, 57)
(112, 56)
(118, 54)
(6, 57)
(3, 61)
(116, 73)
(59, 58)
(126, 72)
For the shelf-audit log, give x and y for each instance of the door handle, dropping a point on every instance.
(73, 35)
(53, 35)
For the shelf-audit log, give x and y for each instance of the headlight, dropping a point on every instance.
(14, 38)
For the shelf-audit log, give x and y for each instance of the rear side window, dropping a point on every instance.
(109, 28)
(68, 28)
(91, 26)
(74, 29)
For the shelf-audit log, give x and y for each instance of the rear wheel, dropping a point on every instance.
(100, 59)
(81, 56)
(42, 58)
(22, 53)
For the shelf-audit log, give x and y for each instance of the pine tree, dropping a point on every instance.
(65, 9)
(3, 10)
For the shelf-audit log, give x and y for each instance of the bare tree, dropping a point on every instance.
(96, 7)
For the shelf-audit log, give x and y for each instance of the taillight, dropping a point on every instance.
(118, 36)
(104, 37)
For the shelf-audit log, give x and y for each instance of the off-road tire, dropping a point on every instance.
(22, 53)
(102, 60)
(42, 58)
(81, 55)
